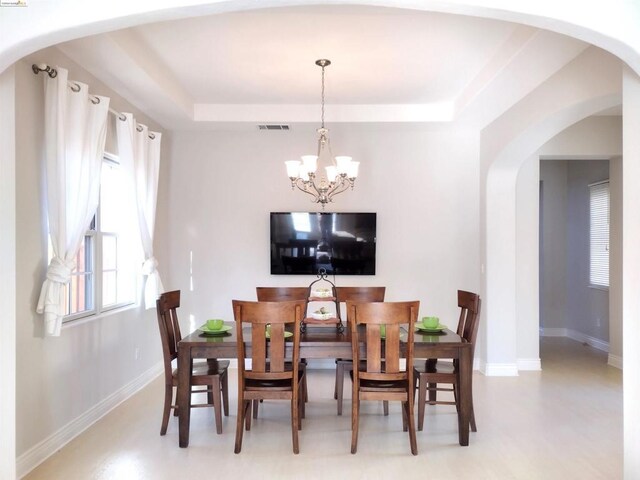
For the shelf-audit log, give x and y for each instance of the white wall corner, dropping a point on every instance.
(615, 361)
(8, 273)
(50, 445)
(529, 364)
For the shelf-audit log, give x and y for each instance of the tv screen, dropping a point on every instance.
(302, 243)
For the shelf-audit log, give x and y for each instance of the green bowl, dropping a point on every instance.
(214, 324)
(430, 322)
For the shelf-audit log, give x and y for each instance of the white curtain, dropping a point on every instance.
(139, 152)
(75, 133)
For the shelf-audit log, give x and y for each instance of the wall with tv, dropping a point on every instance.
(302, 243)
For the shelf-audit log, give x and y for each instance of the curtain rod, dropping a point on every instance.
(53, 73)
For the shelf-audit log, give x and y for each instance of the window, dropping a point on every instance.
(105, 274)
(599, 234)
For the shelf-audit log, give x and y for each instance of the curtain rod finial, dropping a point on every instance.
(43, 67)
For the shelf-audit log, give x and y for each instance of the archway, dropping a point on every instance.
(507, 144)
(617, 33)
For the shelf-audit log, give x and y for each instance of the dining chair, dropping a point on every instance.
(211, 374)
(275, 372)
(343, 366)
(378, 325)
(431, 373)
(284, 294)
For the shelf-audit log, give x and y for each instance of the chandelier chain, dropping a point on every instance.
(323, 96)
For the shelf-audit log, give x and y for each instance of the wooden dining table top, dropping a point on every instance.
(327, 342)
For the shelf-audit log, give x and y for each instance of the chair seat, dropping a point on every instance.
(272, 384)
(202, 368)
(433, 367)
(387, 385)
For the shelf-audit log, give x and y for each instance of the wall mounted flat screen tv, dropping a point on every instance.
(302, 243)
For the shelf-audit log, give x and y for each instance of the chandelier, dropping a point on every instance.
(341, 172)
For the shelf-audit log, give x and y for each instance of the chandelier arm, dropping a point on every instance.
(305, 189)
(343, 186)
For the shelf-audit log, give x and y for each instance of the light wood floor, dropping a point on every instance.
(562, 423)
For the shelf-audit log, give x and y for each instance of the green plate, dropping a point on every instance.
(438, 329)
(221, 331)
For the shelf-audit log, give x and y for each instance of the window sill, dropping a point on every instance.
(599, 287)
(81, 320)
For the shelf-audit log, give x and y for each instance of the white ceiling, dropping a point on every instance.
(388, 65)
(378, 55)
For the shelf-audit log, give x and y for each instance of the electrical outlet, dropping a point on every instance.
(137, 353)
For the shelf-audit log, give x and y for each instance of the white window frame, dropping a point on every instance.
(596, 259)
(97, 236)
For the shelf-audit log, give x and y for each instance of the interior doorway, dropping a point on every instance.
(571, 305)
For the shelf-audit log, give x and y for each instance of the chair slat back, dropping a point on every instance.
(390, 316)
(469, 304)
(281, 294)
(359, 294)
(166, 307)
(268, 346)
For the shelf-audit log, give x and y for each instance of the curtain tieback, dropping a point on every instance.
(149, 266)
(60, 271)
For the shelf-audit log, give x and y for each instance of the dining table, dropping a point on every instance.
(323, 342)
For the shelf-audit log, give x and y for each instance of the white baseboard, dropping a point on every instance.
(575, 335)
(500, 369)
(553, 332)
(594, 342)
(615, 361)
(47, 447)
(529, 364)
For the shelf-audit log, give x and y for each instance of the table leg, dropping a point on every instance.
(464, 393)
(183, 397)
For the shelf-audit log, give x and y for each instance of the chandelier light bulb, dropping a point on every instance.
(293, 168)
(332, 173)
(352, 171)
(310, 162)
(342, 163)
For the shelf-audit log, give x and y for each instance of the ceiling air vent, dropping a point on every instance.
(273, 127)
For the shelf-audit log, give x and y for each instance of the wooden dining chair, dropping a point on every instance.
(273, 374)
(343, 366)
(284, 294)
(211, 374)
(431, 374)
(381, 377)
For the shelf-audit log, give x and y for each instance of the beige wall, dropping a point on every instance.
(422, 184)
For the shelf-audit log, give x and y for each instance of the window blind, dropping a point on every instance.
(599, 234)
